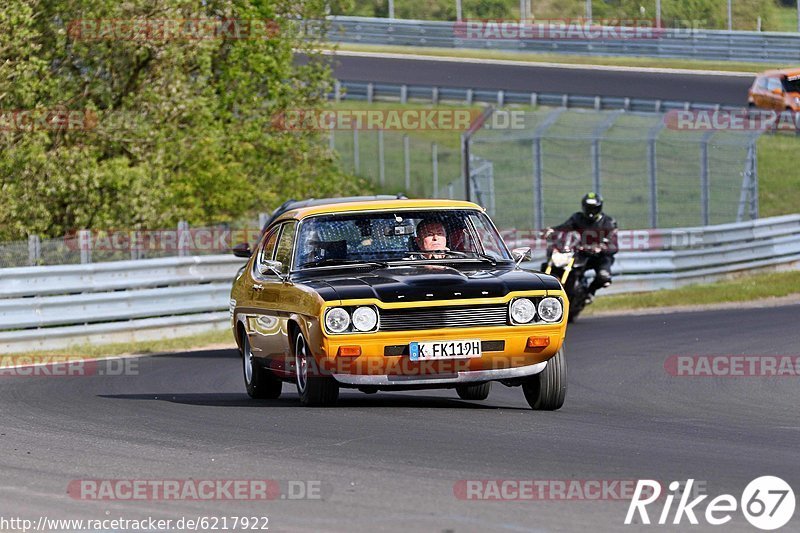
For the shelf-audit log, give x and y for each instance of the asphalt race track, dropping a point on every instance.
(721, 89)
(390, 461)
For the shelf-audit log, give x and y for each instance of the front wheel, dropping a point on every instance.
(546, 390)
(259, 381)
(576, 294)
(313, 390)
(474, 392)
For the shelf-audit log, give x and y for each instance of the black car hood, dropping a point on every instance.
(426, 282)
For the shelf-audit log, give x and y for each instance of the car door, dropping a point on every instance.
(272, 294)
(262, 324)
(759, 92)
(775, 94)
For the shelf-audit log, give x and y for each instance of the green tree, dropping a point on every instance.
(183, 128)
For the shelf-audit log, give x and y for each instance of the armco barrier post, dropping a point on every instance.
(652, 172)
(407, 163)
(183, 227)
(381, 160)
(704, 183)
(34, 250)
(85, 245)
(356, 159)
(435, 169)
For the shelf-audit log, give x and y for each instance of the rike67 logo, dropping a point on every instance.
(767, 502)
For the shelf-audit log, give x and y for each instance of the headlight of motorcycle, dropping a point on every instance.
(337, 320)
(522, 311)
(550, 309)
(560, 259)
(365, 319)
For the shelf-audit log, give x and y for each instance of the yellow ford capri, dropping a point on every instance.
(395, 295)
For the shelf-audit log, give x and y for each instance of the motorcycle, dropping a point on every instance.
(567, 259)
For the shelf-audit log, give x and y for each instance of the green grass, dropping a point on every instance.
(740, 289)
(785, 19)
(214, 337)
(533, 57)
(778, 178)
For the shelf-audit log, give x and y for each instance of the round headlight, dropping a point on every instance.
(365, 319)
(522, 310)
(337, 320)
(550, 309)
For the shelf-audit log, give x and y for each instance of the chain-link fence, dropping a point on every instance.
(651, 174)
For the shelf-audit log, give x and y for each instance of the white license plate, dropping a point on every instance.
(423, 351)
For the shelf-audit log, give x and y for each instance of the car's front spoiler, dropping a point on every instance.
(467, 376)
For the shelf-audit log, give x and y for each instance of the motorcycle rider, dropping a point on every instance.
(598, 233)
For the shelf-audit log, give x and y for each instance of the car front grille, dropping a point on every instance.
(443, 317)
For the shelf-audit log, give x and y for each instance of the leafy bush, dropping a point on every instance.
(178, 128)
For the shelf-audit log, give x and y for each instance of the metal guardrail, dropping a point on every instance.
(53, 307)
(158, 298)
(403, 93)
(684, 256)
(667, 43)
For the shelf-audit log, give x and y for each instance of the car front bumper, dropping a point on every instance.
(439, 379)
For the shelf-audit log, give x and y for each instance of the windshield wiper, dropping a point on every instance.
(334, 261)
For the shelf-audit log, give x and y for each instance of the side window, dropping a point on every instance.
(285, 245)
(487, 238)
(267, 249)
(269, 246)
(773, 84)
(761, 84)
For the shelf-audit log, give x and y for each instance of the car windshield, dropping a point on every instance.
(791, 84)
(350, 238)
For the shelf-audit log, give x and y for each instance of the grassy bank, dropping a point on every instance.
(739, 289)
(221, 338)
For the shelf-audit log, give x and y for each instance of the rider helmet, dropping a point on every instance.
(592, 205)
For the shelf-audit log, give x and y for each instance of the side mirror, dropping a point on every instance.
(271, 267)
(777, 91)
(521, 254)
(242, 250)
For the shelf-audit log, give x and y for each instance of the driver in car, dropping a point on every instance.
(431, 237)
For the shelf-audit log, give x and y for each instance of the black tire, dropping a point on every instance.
(577, 301)
(574, 311)
(314, 391)
(259, 381)
(546, 390)
(478, 391)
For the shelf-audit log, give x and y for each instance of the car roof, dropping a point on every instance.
(292, 204)
(782, 72)
(375, 205)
